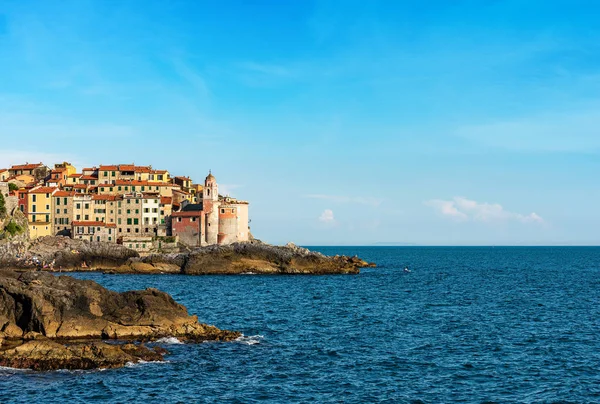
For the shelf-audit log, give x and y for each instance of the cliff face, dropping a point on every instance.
(39, 312)
(250, 257)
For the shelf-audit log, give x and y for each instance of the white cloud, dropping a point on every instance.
(327, 216)
(463, 209)
(347, 199)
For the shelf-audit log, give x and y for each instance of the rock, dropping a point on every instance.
(37, 306)
(248, 257)
(49, 355)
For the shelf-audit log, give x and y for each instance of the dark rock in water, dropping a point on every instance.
(37, 306)
(50, 355)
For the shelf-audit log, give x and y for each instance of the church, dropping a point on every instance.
(214, 219)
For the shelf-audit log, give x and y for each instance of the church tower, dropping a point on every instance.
(210, 201)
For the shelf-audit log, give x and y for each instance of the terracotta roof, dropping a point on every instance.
(89, 177)
(126, 167)
(3, 170)
(183, 178)
(108, 168)
(89, 169)
(26, 166)
(166, 200)
(94, 224)
(179, 191)
(159, 171)
(142, 169)
(43, 190)
(64, 193)
(77, 175)
(78, 186)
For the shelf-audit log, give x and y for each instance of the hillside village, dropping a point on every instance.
(136, 206)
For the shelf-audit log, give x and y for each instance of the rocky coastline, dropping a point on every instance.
(50, 322)
(63, 254)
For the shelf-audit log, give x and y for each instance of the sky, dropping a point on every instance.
(341, 122)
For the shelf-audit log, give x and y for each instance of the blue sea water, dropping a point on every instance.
(465, 325)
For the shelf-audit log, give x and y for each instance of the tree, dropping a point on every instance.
(2, 206)
(12, 186)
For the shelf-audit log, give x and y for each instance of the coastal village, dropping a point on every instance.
(139, 207)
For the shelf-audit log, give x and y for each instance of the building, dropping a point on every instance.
(34, 170)
(62, 208)
(4, 174)
(94, 231)
(40, 211)
(215, 220)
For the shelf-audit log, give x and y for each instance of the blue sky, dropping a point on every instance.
(342, 122)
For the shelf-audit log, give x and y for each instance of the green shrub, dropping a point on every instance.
(2, 206)
(12, 187)
(13, 228)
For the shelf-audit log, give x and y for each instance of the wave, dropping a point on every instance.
(169, 340)
(136, 364)
(250, 339)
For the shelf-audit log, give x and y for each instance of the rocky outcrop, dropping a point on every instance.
(36, 306)
(63, 254)
(50, 355)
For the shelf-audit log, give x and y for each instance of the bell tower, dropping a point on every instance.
(211, 203)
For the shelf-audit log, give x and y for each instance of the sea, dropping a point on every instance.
(466, 324)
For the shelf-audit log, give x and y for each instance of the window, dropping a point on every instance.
(87, 206)
(154, 210)
(193, 219)
(146, 210)
(78, 217)
(47, 207)
(128, 211)
(119, 188)
(129, 221)
(33, 208)
(47, 218)
(110, 239)
(65, 211)
(137, 230)
(57, 201)
(137, 246)
(112, 174)
(78, 206)
(128, 200)
(128, 230)
(179, 219)
(119, 220)
(135, 221)
(98, 238)
(47, 195)
(106, 173)
(64, 201)
(33, 198)
(87, 217)
(137, 211)
(222, 210)
(58, 211)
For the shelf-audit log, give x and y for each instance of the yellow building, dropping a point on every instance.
(40, 215)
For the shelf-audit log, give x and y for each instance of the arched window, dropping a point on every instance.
(208, 192)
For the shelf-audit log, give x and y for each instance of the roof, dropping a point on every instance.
(89, 169)
(159, 171)
(166, 200)
(193, 207)
(64, 193)
(2, 170)
(142, 169)
(211, 177)
(26, 166)
(127, 167)
(183, 178)
(108, 168)
(89, 177)
(94, 224)
(43, 190)
(78, 186)
(76, 175)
